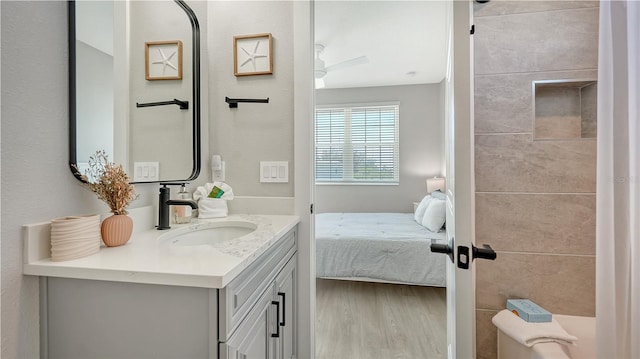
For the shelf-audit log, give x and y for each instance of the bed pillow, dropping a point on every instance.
(422, 207)
(438, 194)
(435, 215)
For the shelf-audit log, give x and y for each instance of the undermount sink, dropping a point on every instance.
(212, 233)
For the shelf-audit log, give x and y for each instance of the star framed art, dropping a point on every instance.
(163, 60)
(252, 55)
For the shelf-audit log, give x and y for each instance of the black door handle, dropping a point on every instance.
(464, 259)
(486, 252)
(444, 248)
(284, 307)
(277, 304)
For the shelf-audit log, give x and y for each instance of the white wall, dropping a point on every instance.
(36, 182)
(251, 133)
(421, 149)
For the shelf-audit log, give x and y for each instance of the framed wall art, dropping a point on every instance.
(252, 55)
(163, 60)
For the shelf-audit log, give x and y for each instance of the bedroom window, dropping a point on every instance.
(357, 144)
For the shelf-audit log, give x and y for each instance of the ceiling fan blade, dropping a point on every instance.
(348, 63)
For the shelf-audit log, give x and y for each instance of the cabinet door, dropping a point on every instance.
(253, 339)
(286, 296)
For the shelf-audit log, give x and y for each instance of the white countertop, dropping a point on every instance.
(149, 257)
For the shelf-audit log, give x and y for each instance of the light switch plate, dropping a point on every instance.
(146, 171)
(274, 171)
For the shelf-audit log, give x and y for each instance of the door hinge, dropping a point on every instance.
(311, 208)
(473, 29)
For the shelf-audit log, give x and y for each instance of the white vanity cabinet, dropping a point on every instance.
(253, 317)
(267, 331)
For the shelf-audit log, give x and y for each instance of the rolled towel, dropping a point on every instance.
(530, 334)
(208, 205)
(212, 208)
(204, 191)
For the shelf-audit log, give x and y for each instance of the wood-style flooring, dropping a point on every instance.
(363, 320)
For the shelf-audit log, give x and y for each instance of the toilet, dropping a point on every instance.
(584, 328)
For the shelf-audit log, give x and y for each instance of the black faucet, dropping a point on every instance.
(164, 202)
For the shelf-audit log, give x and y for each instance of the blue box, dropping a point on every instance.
(528, 310)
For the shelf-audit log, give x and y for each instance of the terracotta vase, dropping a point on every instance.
(116, 230)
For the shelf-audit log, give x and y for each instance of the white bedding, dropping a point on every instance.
(385, 246)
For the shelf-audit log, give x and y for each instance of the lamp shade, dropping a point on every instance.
(435, 183)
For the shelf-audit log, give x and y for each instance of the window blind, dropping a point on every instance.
(357, 144)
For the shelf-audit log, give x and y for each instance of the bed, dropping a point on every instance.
(388, 247)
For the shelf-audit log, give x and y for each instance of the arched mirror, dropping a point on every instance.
(134, 87)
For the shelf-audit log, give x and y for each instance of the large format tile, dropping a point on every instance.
(557, 113)
(589, 111)
(504, 103)
(515, 163)
(501, 7)
(544, 41)
(486, 335)
(558, 127)
(541, 223)
(562, 284)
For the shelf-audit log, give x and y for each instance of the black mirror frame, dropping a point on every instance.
(195, 31)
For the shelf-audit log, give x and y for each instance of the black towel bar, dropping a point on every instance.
(233, 102)
(184, 105)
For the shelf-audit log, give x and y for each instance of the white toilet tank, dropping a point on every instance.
(584, 328)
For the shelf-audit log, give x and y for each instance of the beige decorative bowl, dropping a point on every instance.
(74, 237)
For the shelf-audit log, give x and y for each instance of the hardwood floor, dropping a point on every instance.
(362, 320)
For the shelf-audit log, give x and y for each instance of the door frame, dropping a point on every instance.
(461, 324)
(304, 100)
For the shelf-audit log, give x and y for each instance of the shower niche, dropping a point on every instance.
(565, 109)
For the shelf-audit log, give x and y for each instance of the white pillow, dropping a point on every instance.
(422, 207)
(435, 215)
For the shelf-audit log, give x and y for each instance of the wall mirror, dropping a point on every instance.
(125, 95)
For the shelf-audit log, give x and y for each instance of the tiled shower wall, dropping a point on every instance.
(535, 200)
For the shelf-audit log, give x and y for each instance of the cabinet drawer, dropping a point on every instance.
(237, 298)
(252, 339)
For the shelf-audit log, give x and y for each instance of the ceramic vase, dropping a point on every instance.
(74, 237)
(116, 230)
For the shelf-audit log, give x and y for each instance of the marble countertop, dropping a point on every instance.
(149, 256)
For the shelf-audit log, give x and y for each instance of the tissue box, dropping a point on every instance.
(528, 310)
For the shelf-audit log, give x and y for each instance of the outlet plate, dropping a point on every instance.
(274, 171)
(218, 175)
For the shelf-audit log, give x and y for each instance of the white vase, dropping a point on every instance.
(74, 237)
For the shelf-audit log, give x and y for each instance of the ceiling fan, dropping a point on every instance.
(321, 70)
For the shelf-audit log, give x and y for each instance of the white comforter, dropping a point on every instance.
(385, 246)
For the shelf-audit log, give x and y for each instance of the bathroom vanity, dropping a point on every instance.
(168, 295)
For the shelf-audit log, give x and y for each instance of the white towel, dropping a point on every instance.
(203, 191)
(213, 207)
(530, 334)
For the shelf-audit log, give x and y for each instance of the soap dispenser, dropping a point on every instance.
(182, 214)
